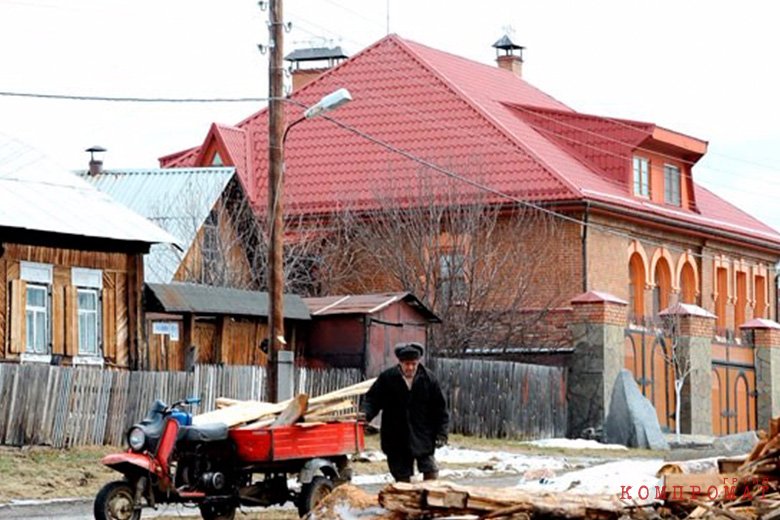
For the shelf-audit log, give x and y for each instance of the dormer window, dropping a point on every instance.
(671, 184)
(641, 176)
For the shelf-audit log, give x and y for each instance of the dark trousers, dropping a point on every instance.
(401, 466)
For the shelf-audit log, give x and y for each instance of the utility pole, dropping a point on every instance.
(275, 196)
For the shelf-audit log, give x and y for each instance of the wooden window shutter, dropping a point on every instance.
(71, 321)
(18, 320)
(109, 323)
(58, 320)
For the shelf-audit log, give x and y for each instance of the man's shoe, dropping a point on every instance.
(431, 475)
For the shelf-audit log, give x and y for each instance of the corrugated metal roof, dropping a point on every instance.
(176, 199)
(365, 304)
(38, 195)
(205, 299)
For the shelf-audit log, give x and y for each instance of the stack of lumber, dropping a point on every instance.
(754, 487)
(337, 405)
(440, 498)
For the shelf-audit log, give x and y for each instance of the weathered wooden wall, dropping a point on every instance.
(121, 318)
(217, 340)
(71, 406)
(502, 399)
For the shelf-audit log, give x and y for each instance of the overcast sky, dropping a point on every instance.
(708, 69)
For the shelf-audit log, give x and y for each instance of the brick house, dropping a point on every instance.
(632, 221)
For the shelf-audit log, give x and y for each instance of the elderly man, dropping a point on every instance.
(415, 419)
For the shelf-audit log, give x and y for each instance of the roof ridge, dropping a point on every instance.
(485, 114)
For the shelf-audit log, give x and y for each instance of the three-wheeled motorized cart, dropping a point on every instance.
(219, 469)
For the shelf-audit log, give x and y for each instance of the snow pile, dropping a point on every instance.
(610, 478)
(575, 444)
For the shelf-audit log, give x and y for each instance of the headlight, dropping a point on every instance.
(136, 439)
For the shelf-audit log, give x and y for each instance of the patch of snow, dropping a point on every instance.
(346, 512)
(610, 478)
(576, 444)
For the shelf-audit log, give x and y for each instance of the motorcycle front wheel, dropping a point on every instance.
(116, 501)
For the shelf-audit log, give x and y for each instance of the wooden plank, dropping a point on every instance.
(58, 320)
(109, 316)
(18, 297)
(71, 321)
(3, 305)
(122, 324)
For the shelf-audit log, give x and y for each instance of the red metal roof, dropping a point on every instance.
(476, 120)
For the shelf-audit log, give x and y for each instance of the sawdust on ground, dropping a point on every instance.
(348, 501)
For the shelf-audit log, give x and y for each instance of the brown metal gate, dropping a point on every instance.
(733, 388)
(645, 358)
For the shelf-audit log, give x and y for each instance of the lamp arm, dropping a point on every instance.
(289, 127)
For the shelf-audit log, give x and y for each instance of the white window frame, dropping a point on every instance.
(38, 275)
(85, 313)
(36, 311)
(641, 169)
(89, 281)
(672, 185)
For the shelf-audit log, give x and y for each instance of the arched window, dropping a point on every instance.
(663, 286)
(741, 303)
(687, 284)
(760, 311)
(636, 285)
(721, 275)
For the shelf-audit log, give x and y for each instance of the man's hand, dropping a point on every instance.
(441, 440)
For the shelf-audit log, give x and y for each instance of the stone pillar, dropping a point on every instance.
(694, 329)
(766, 340)
(598, 329)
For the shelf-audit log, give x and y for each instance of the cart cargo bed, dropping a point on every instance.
(298, 441)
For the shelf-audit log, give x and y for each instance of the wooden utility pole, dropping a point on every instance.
(275, 195)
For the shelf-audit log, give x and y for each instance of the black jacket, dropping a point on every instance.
(411, 419)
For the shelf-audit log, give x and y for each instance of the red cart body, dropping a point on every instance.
(298, 441)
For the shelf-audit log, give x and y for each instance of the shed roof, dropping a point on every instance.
(176, 199)
(204, 299)
(38, 195)
(366, 304)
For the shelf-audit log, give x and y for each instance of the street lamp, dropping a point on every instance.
(279, 387)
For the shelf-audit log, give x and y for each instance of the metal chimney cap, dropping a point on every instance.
(94, 149)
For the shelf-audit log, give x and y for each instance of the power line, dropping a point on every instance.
(522, 202)
(131, 99)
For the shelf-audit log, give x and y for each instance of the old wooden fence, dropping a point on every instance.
(502, 399)
(71, 406)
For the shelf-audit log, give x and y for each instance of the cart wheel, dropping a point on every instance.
(218, 511)
(116, 501)
(312, 493)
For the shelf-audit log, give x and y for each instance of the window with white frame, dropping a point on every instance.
(37, 306)
(671, 184)
(37, 316)
(88, 283)
(641, 176)
(88, 321)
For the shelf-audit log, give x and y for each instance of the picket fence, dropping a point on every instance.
(72, 406)
(502, 399)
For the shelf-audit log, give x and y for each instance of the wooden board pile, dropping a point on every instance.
(337, 405)
(440, 498)
(754, 489)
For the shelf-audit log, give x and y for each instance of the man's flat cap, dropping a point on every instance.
(408, 351)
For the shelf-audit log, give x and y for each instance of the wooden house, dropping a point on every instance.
(71, 267)
(189, 323)
(360, 331)
(204, 208)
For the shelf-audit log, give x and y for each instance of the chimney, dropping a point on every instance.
(509, 55)
(307, 64)
(95, 165)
